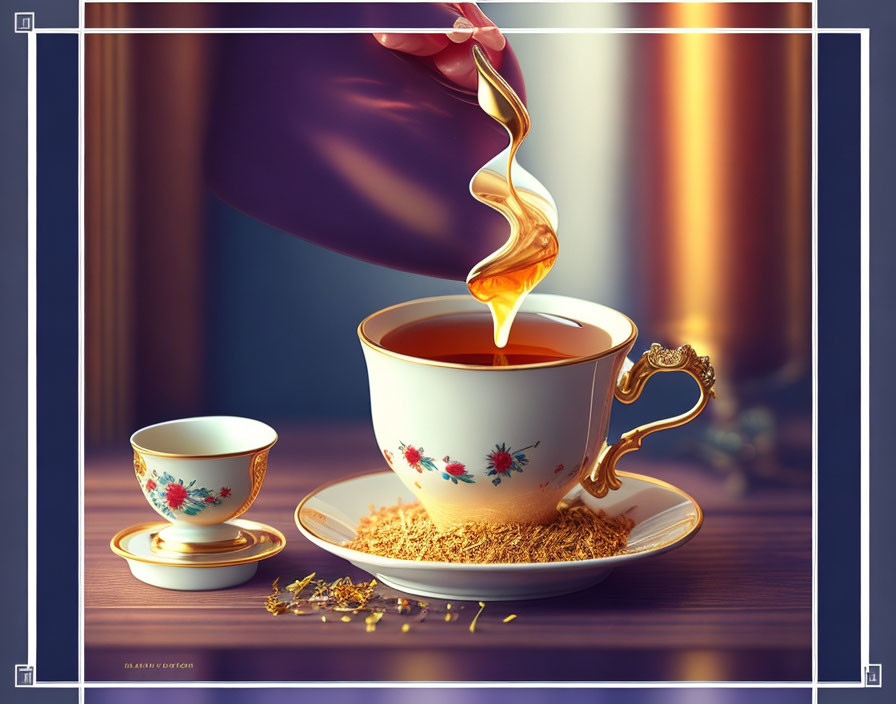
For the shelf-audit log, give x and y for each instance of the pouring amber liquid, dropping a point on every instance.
(503, 279)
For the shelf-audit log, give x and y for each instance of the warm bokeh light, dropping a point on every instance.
(728, 246)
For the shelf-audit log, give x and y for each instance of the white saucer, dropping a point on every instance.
(196, 571)
(665, 518)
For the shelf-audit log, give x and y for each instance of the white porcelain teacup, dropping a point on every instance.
(504, 444)
(199, 473)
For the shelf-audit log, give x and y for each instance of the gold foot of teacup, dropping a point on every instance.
(534, 510)
(170, 548)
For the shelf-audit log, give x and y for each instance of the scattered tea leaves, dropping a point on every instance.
(344, 599)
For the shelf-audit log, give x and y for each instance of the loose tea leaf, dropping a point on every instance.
(476, 617)
(372, 620)
(297, 586)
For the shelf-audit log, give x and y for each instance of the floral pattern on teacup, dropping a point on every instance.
(561, 475)
(503, 461)
(456, 472)
(416, 459)
(171, 496)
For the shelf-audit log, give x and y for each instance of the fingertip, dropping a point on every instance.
(416, 44)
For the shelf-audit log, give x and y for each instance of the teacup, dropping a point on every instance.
(504, 444)
(199, 473)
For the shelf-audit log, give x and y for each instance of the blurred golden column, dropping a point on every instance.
(727, 240)
(145, 112)
(728, 244)
(110, 222)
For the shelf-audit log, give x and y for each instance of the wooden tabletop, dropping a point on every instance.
(732, 604)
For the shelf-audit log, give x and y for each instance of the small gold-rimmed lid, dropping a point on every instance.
(135, 543)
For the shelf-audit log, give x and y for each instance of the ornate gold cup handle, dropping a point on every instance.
(657, 359)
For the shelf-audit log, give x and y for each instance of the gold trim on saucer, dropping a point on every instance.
(365, 340)
(243, 541)
(273, 540)
(297, 516)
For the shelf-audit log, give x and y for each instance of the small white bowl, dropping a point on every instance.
(665, 518)
(200, 472)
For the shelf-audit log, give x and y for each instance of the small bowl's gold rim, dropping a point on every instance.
(565, 564)
(365, 340)
(213, 456)
(115, 545)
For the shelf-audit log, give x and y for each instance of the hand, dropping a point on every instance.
(451, 53)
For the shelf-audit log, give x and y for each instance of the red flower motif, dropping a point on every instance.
(412, 455)
(225, 491)
(150, 485)
(209, 499)
(501, 461)
(559, 469)
(175, 495)
(455, 468)
(388, 456)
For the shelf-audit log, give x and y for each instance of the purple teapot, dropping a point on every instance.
(362, 143)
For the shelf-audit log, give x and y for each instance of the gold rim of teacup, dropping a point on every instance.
(365, 340)
(179, 456)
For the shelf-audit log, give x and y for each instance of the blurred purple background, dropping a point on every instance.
(450, 696)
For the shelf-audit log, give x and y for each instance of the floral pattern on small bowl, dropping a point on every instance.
(171, 496)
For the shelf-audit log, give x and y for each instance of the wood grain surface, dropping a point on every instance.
(733, 604)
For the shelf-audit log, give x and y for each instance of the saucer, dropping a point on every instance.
(199, 570)
(665, 518)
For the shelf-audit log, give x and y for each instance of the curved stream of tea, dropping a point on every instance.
(503, 278)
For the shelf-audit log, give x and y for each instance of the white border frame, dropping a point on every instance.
(81, 31)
